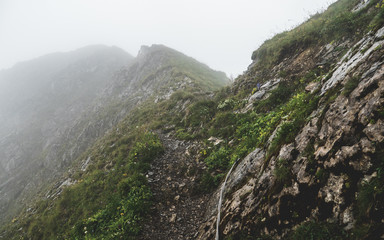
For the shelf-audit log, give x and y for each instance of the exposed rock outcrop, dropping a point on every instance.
(343, 135)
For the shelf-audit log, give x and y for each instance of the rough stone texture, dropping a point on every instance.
(256, 96)
(299, 170)
(307, 133)
(261, 93)
(311, 87)
(375, 131)
(362, 4)
(345, 153)
(343, 134)
(333, 190)
(178, 213)
(345, 67)
(286, 152)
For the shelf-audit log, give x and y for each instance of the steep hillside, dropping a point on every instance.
(41, 102)
(310, 139)
(302, 129)
(79, 99)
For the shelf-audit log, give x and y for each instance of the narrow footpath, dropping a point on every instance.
(178, 211)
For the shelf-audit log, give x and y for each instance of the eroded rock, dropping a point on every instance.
(375, 131)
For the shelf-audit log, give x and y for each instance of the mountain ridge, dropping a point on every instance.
(303, 126)
(75, 108)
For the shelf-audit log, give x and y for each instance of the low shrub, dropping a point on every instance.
(223, 124)
(182, 134)
(278, 96)
(218, 160)
(282, 172)
(350, 85)
(106, 202)
(318, 231)
(199, 113)
(208, 182)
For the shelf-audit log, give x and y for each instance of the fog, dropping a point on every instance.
(220, 33)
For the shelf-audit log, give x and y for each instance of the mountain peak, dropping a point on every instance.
(100, 49)
(146, 50)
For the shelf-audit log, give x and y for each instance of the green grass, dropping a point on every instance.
(106, 202)
(253, 129)
(278, 96)
(110, 199)
(335, 23)
(318, 231)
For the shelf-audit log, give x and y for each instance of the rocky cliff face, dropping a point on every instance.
(329, 172)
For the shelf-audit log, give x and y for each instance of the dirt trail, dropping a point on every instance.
(178, 212)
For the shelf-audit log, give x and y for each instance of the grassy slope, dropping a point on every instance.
(181, 66)
(334, 24)
(82, 209)
(110, 199)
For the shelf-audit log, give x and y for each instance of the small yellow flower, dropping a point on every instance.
(122, 214)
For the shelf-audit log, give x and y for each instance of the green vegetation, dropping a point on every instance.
(218, 160)
(186, 68)
(253, 129)
(370, 194)
(350, 85)
(334, 24)
(111, 198)
(108, 201)
(318, 231)
(278, 96)
(282, 172)
(223, 124)
(200, 113)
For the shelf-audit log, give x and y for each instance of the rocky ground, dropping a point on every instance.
(172, 178)
(334, 153)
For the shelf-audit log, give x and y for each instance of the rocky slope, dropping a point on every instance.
(331, 171)
(56, 106)
(303, 128)
(178, 212)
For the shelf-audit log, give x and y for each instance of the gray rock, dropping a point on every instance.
(251, 164)
(375, 132)
(346, 152)
(299, 170)
(311, 87)
(270, 84)
(257, 96)
(286, 152)
(362, 164)
(344, 67)
(332, 192)
(362, 4)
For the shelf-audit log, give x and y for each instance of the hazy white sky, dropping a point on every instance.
(220, 33)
